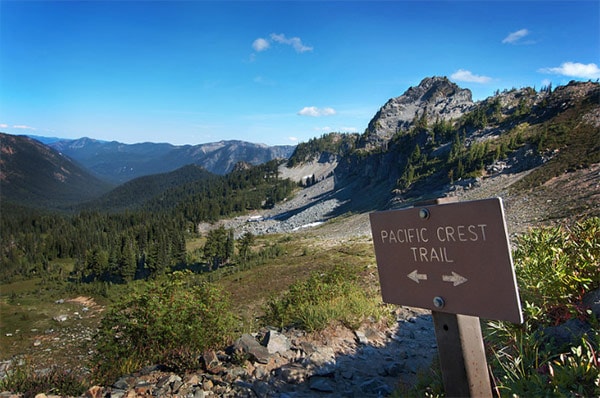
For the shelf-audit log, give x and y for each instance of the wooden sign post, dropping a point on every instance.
(454, 259)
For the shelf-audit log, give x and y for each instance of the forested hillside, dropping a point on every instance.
(125, 238)
(35, 175)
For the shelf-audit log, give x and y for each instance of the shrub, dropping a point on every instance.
(23, 379)
(321, 299)
(170, 322)
(554, 267)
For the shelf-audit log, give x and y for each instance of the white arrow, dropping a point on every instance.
(455, 278)
(415, 276)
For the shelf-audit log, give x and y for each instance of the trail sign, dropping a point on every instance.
(452, 258)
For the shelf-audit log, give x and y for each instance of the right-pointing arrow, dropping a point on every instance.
(455, 278)
(415, 276)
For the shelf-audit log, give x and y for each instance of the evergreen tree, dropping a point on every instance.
(244, 244)
(218, 247)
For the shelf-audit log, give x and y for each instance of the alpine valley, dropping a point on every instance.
(92, 221)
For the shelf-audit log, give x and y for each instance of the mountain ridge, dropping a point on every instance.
(532, 139)
(117, 162)
(421, 143)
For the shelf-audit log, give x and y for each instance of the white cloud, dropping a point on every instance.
(260, 44)
(23, 127)
(515, 37)
(295, 42)
(574, 69)
(316, 112)
(3, 125)
(462, 75)
(293, 139)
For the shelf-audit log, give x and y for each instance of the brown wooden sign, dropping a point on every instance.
(452, 258)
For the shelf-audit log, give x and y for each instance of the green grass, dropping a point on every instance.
(325, 297)
(29, 330)
(310, 283)
(28, 307)
(300, 257)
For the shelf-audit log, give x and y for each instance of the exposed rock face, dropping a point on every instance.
(437, 97)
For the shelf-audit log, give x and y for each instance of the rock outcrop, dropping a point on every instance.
(435, 97)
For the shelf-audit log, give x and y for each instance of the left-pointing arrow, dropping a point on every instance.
(415, 276)
(455, 278)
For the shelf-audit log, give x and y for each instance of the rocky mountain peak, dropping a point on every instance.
(436, 97)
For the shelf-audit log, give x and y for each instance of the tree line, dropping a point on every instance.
(137, 243)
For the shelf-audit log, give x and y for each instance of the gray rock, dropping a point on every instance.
(248, 344)
(277, 342)
(210, 359)
(124, 383)
(293, 374)
(362, 338)
(117, 393)
(261, 389)
(199, 393)
(261, 372)
(376, 387)
(395, 369)
(570, 332)
(322, 384)
(592, 301)
(438, 97)
(321, 362)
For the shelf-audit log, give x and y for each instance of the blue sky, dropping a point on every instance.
(191, 72)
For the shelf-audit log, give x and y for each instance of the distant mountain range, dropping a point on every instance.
(117, 163)
(66, 172)
(417, 145)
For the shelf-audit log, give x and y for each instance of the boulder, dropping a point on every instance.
(249, 345)
(277, 342)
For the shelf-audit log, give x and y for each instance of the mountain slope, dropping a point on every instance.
(136, 192)
(537, 149)
(34, 174)
(118, 162)
(515, 130)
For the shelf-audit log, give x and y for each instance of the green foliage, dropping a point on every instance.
(577, 372)
(245, 243)
(170, 321)
(143, 242)
(22, 379)
(219, 246)
(333, 143)
(555, 267)
(321, 299)
(442, 130)
(572, 146)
